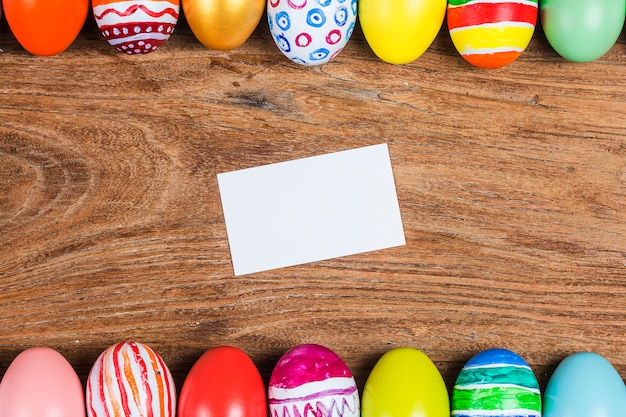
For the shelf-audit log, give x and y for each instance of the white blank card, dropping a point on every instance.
(311, 209)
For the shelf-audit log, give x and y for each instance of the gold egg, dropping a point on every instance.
(223, 24)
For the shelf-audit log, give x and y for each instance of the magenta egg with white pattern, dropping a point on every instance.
(311, 32)
(312, 380)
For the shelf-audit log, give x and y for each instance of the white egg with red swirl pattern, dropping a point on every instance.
(136, 26)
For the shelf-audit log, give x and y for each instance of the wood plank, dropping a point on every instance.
(511, 182)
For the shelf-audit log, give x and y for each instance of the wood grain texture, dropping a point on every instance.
(511, 182)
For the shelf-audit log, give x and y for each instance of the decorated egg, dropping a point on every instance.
(496, 383)
(585, 384)
(45, 27)
(224, 382)
(311, 32)
(491, 34)
(130, 379)
(136, 26)
(400, 31)
(582, 30)
(40, 382)
(405, 383)
(312, 378)
(223, 24)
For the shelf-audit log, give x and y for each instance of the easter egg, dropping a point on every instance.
(582, 30)
(223, 24)
(312, 379)
(496, 383)
(45, 27)
(224, 382)
(491, 34)
(311, 32)
(405, 383)
(585, 384)
(130, 379)
(400, 31)
(40, 382)
(136, 26)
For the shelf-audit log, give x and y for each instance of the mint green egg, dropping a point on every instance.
(582, 30)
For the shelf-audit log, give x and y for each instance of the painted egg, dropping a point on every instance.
(312, 379)
(45, 27)
(136, 26)
(223, 24)
(585, 384)
(400, 31)
(496, 383)
(130, 379)
(311, 32)
(582, 30)
(40, 382)
(224, 382)
(405, 383)
(491, 34)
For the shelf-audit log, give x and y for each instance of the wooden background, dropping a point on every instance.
(511, 182)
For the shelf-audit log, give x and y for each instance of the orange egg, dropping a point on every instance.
(45, 27)
(223, 24)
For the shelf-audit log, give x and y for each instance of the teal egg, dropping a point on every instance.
(496, 383)
(582, 30)
(585, 384)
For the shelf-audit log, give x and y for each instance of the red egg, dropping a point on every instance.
(224, 382)
(45, 27)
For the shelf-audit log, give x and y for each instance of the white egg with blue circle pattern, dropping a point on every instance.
(311, 32)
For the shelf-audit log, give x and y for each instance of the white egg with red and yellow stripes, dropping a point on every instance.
(491, 33)
(130, 379)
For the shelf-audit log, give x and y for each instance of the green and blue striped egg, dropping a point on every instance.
(496, 383)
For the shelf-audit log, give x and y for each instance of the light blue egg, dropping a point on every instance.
(585, 384)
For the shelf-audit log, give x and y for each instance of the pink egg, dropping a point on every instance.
(312, 379)
(40, 382)
(130, 379)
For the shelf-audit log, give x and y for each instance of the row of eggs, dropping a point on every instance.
(130, 379)
(487, 33)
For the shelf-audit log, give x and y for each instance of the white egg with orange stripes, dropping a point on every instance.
(130, 379)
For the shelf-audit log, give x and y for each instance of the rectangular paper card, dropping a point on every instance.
(311, 209)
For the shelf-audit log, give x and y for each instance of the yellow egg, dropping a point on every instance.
(223, 24)
(405, 383)
(399, 31)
